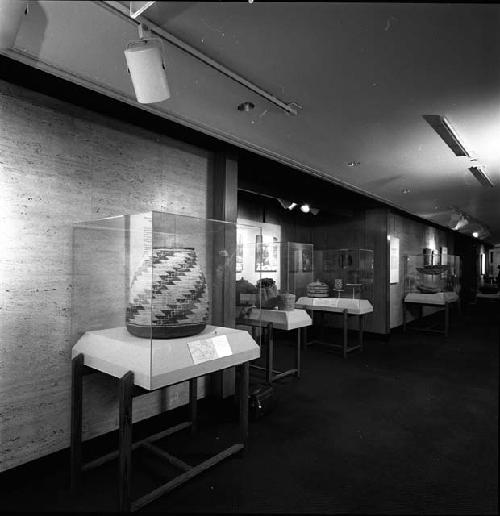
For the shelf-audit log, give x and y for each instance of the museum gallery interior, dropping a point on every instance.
(250, 257)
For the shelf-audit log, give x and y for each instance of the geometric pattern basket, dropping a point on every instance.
(168, 296)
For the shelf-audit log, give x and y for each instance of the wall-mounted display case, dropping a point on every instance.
(432, 275)
(155, 288)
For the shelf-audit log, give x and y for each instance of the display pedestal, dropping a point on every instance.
(346, 307)
(267, 321)
(443, 299)
(99, 351)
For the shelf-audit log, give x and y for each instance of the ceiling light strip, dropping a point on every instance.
(479, 174)
(123, 11)
(443, 128)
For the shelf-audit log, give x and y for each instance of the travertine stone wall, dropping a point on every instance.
(60, 164)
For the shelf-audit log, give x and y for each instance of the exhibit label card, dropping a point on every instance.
(209, 349)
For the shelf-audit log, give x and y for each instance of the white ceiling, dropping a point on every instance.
(364, 74)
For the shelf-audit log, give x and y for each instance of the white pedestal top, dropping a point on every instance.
(440, 298)
(488, 296)
(335, 304)
(160, 362)
(281, 319)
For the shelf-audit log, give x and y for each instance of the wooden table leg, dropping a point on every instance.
(243, 394)
(361, 328)
(345, 331)
(446, 318)
(270, 353)
(404, 316)
(297, 356)
(76, 421)
(193, 403)
(125, 441)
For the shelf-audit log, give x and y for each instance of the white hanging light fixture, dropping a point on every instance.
(146, 65)
(11, 17)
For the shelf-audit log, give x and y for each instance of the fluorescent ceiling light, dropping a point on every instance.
(478, 172)
(447, 133)
(137, 8)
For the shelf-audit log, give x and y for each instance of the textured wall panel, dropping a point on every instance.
(413, 237)
(60, 164)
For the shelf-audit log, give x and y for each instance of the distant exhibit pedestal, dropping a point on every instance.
(268, 320)
(348, 307)
(438, 299)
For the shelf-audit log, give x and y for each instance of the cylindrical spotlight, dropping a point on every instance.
(11, 16)
(147, 71)
(305, 208)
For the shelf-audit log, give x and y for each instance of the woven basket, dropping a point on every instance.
(317, 289)
(286, 301)
(168, 296)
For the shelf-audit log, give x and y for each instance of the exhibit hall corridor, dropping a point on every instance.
(407, 426)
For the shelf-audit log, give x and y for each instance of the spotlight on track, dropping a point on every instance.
(146, 65)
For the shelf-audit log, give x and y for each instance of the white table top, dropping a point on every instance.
(440, 298)
(160, 362)
(335, 304)
(281, 319)
(488, 296)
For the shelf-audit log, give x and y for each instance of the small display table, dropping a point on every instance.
(348, 308)
(490, 297)
(443, 299)
(144, 365)
(268, 320)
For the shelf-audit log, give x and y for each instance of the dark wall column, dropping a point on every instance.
(223, 192)
(376, 239)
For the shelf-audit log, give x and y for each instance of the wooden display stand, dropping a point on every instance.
(243, 350)
(342, 306)
(267, 321)
(422, 300)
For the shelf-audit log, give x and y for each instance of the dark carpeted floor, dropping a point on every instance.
(408, 426)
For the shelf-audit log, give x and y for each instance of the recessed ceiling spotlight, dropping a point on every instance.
(405, 191)
(353, 163)
(246, 106)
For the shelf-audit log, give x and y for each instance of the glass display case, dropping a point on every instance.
(158, 287)
(271, 274)
(432, 275)
(348, 273)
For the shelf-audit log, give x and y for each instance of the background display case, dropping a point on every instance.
(345, 274)
(268, 269)
(154, 289)
(432, 275)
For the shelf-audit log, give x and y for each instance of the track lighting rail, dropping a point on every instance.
(123, 11)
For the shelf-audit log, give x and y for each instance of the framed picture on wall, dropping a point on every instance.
(239, 256)
(266, 255)
(295, 260)
(307, 260)
(394, 260)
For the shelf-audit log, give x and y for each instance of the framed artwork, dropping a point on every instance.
(329, 261)
(295, 260)
(266, 255)
(394, 260)
(307, 260)
(239, 256)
